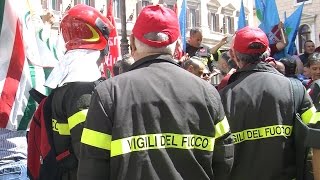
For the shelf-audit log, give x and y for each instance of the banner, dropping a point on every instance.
(242, 17)
(291, 25)
(113, 42)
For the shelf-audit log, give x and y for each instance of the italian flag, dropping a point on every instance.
(19, 65)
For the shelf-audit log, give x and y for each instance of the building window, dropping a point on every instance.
(170, 6)
(214, 22)
(55, 5)
(116, 8)
(298, 2)
(140, 5)
(228, 25)
(145, 3)
(192, 18)
(304, 35)
(87, 2)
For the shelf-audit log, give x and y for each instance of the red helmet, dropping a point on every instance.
(84, 27)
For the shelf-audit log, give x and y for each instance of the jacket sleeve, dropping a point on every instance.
(315, 95)
(94, 162)
(308, 112)
(224, 148)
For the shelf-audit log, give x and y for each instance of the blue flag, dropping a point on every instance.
(291, 25)
(242, 17)
(267, 13)
(183, 24)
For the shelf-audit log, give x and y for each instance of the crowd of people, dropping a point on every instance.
(163, 118)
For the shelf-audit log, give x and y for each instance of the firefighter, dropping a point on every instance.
(259, 104)
(85, 32)
(156, 121)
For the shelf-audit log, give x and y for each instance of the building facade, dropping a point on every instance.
(216, 18)
(310, 21)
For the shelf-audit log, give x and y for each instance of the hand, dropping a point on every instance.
(184, 58)
(48, 18)
(280, 25)
(224, 40)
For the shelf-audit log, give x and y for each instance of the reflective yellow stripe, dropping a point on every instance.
(308, 115)
(160, 141)
(315, 118)
(96, 139)
(261, 133)
(77, 118)
(221, 128)
(61, 128)
(311, 116)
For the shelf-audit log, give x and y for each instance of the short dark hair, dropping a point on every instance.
(304, 45)
(314, 58)
(290, 65)
(229, 61)
(193, 31)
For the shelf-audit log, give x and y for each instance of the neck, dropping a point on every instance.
(137, 57)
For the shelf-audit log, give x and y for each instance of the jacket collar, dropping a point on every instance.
(146, 61)
(251, 68)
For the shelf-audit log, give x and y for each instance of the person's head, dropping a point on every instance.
(290, 65)
(156, 31)
(249, 45)
(309, 47)
(279, 66)
(195, 37)
(225, 63)
(314, 65)
(84, 27)
(196, 66)
(85, 32)
(125, 63)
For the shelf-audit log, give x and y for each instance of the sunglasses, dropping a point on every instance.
(205, 74)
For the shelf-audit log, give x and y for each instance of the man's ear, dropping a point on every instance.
(132, 44)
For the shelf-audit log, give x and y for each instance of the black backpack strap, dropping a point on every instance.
(36, 95)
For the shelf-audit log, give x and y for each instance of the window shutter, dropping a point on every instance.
(210, 21)
(197, 18)
(138, 7)
(217, 25)
(232, 25)
(224, 27)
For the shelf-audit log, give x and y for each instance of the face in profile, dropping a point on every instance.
(196, 39)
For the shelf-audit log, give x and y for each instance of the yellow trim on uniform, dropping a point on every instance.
(315, 118)
(161, 141)
(96, 139)
(311, 116)
(221, 128)
(95, 35)
(261, 133)
(61, 128)
(77, 118)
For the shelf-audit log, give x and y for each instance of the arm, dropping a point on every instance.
(215, 48)
(224, 148)
(95, 142)
(284, 38)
